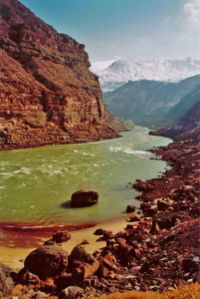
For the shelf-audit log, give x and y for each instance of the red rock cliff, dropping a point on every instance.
(47, 93)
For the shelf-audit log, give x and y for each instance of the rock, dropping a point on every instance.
(162, 205)
(80, 254)
(46, 77)
(87, 270)
(49, 242)
(47, 261)
(189, 265)
(143, 186)
(6, 281)
(109, 261)
(27, 278)
(84, 198)
(107, 235)
(61, 236)
(84, 242)
(130, 209)
(165, 220)
(82, 264)
(99, 232)
(134, 218)
(71, 292)
(63, 281)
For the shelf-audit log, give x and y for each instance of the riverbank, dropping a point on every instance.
(157, 250)
(14, 256)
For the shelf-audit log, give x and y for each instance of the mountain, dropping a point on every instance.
(153, 103)
(187, 127)
(48, 94)
(121, 71)
(184, 105)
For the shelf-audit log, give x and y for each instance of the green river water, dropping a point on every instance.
(34, 183)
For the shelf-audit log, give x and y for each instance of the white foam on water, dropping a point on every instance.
(129, 151)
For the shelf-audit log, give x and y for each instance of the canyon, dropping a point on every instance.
(47, 93)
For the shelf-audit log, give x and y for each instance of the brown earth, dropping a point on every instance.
(47, 93)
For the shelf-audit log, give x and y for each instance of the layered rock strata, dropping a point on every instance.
(47, 93)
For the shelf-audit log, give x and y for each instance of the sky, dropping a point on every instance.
(126, 29)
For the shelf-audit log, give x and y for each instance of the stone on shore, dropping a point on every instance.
(130, 209)
(61, 236)
(84, 198)
(47, 261)
(6, 281)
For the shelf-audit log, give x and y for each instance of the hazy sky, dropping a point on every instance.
(137, 29)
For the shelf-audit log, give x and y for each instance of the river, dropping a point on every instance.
(34, 183)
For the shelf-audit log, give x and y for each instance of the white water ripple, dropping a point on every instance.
(129, 151)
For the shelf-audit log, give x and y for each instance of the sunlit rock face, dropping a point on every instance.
(47, 93)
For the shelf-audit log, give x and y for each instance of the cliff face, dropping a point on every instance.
(47, 93)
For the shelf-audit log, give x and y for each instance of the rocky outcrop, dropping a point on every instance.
(84, 198)
(48, 95)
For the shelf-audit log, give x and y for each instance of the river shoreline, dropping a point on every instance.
(163, 236)
(14, 256)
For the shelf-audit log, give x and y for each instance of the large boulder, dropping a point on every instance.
(6, 281)
(47, 261)
(84, 198)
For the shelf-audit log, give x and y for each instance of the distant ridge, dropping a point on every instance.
(121, 71)
(153, 103)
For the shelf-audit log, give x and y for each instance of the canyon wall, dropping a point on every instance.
(47, 93)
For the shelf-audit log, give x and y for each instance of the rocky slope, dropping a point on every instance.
(153, 103)
(121, 71)
(48, 94)
(187, 127)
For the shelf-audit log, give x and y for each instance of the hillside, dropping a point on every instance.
(186, 128)
(153, 103)
(48, 94)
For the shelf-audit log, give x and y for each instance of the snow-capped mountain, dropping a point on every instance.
(121, 71)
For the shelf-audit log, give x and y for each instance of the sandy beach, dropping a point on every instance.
(14, 256)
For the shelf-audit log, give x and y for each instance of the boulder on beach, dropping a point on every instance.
(82, 264)
(84, 198)
(47, 261)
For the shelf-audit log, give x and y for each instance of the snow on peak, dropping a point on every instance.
(121, 71)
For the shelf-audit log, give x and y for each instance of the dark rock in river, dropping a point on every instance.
(6, 282)
(47, 261)
(84, 198)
